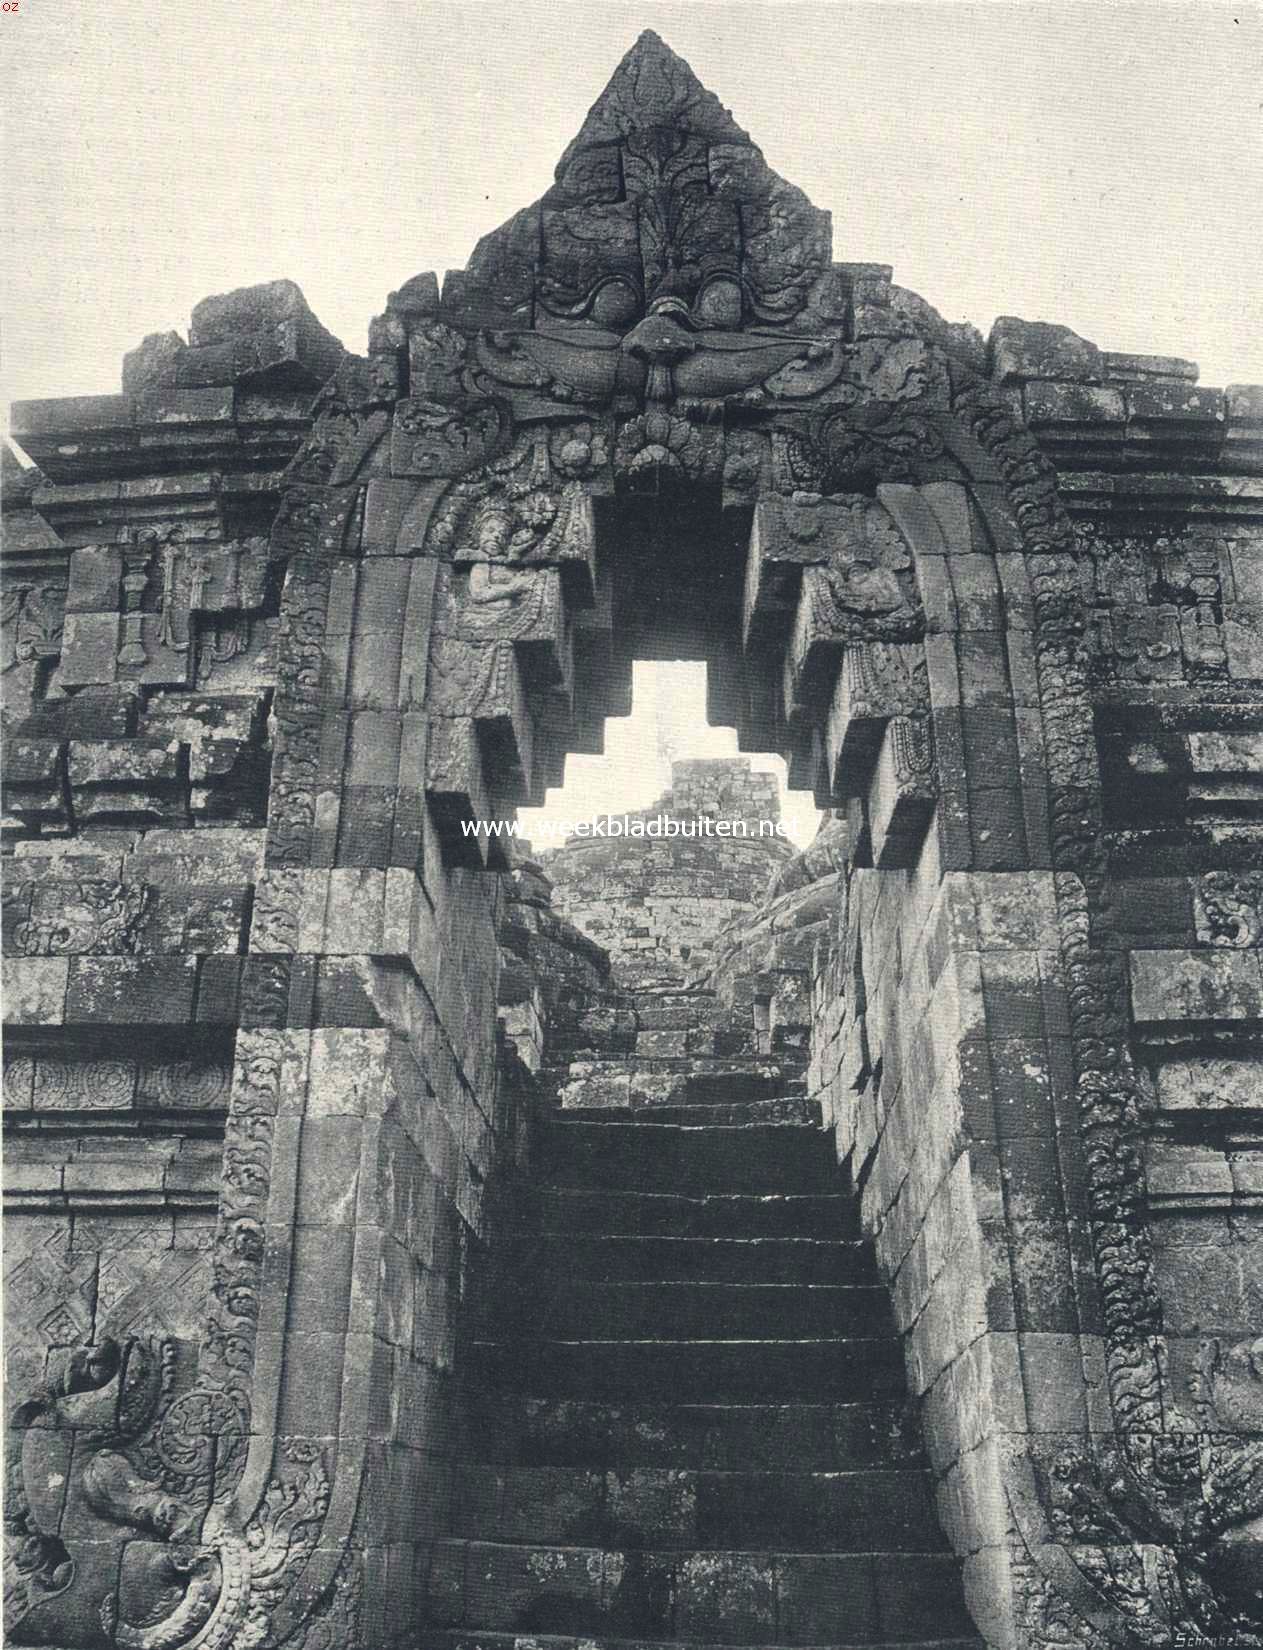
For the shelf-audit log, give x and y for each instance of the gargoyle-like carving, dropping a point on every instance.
(109, 1492)
(663, 195)
(665, 262)
(115, 1535)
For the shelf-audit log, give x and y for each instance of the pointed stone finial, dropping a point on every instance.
(654, 87)
(662, 199)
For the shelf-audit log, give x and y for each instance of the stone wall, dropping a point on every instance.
(658, 903)
(946, 1069)
(763, 960)
(250, 1061)
(1016, 1020)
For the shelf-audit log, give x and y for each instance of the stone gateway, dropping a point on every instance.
(391, 1263)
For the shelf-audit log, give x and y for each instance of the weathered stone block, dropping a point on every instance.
(35, 990)
(1209, 1083)
(1148, 403)
(124, 991)
(1181, 985)
(34, 781)
(1057, 404)
(1036, 349)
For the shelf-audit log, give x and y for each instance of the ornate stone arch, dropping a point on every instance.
(665, 324)
(666, 320)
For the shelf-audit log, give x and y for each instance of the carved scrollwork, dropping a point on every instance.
(83, 919)
(112, 1453)
(874, 443)
(435, 438)
(1230, 907)
(123, 1517)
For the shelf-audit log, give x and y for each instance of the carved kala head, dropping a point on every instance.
(663, 214)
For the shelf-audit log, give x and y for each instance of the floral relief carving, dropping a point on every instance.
(659, 442)
(83, 919)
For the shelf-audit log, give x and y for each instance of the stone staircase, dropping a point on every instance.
(685, 1419)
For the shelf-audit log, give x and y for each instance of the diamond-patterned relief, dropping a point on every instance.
(107, 1276)
(135, 1233)
(144, 1293)
(50, 1289)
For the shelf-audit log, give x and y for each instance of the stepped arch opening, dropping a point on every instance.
(851, 1249)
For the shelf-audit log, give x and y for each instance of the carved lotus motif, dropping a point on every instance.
(657, 441)
(579, 451)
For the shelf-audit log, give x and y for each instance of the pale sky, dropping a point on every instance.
(1100, 166)
(668, 720)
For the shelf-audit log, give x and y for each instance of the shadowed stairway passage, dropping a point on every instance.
(686, 1420)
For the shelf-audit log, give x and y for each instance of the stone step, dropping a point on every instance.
(714, 1598)
(663, 1507)
(724, 1437)
(641, 1082)
(615, 1213)
(624, 1258)
(693, 1370)
(700, 1000)
(785, 1108)
(762, 1158)
(474, 1639)
(564, 1308)
(722, 1041)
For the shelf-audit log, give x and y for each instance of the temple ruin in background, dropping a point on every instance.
(280, 621)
